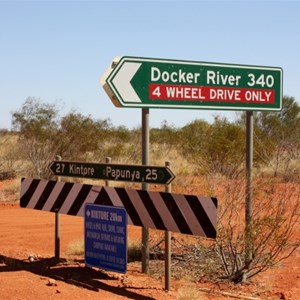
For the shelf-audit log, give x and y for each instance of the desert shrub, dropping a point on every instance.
(165, 135)
(79, 135)
(277, 139)
(10, 192)
(43, 135)
(37, 125)
(134, 251)
(276, 217)
(225, 152)
(218, 148)
(189, 293)
(11, 158)
(76, 248)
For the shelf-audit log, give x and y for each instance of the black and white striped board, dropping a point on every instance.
(187, 214)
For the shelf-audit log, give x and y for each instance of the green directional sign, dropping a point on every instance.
(116, 172)
(163, 83)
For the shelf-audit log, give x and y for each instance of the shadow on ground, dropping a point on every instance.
(75, 273)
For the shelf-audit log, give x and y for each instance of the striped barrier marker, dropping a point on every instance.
(188, 214)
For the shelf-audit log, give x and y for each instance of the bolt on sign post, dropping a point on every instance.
(164, 83)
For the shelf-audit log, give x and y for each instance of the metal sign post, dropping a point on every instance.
(168, 250)
(145, 161)
(57, 226)
(249, 188)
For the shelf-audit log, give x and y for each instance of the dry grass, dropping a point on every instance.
(75, 248)
(133, 251)
(189, 293)
(10, 191)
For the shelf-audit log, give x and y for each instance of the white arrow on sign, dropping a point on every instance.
(120, 82)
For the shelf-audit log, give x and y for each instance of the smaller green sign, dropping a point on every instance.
(116, 172)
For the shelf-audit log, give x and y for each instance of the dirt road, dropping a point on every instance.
(26, 233)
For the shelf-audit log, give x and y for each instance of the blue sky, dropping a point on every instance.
(56, 51)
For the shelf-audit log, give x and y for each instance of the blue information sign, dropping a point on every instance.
(105, 236)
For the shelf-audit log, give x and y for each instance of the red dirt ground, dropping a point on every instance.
(25, 232)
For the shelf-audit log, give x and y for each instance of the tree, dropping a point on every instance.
(216, 148)
(226, 148)
(192, 143)
(10, 155)
(280, 132)
(44, 135)
(36, 117)
(37, 124)
(81, 135)
(167, 134)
